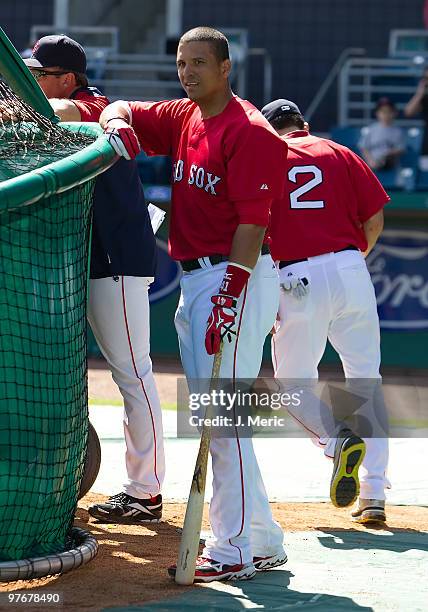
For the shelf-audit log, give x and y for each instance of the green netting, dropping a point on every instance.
(43, 387)
(43, 287)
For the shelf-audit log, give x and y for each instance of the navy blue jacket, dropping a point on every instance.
(123, 242)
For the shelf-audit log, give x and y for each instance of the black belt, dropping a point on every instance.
(282, 264)
(193, 264)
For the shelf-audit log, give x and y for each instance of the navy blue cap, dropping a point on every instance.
(58, 50)
(279, 108)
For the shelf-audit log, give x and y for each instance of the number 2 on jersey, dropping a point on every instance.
(306, 187)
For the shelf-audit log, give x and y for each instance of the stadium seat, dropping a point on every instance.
(409, 159)
(162, 168)
(390, 179)
(422, 180)
(154, 170)
(145, 169)
(406, 178)
(347, 136)
(414, 138)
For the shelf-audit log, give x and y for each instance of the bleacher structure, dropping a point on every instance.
(363, 80)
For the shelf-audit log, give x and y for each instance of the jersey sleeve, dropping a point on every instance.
(255, 211)
(370, 194)
(154, 124)
(255, 165)
(90, 107)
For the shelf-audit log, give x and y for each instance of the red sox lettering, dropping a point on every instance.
(198, 176)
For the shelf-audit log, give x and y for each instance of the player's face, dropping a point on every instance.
(201, 74)
(51, 80)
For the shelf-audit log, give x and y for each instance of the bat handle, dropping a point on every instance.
(217, 363)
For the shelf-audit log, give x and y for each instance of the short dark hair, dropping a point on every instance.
(217, 40)
(81, 79)
(384, 101)
(288, 120)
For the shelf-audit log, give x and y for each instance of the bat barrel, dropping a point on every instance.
(190, 537)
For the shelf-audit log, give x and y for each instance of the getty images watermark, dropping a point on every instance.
(297, 408)
(239, 408)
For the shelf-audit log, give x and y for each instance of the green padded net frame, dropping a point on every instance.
(47, 180)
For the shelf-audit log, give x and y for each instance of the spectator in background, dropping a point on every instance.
(418, 104)
(382, 143)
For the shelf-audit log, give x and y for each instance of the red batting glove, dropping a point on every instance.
(221, 323)
(124, 141)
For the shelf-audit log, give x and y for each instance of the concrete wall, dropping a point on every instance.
(17, 17)
(138, 20)
(134, 18)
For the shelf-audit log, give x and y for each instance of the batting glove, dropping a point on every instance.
(295, 285)
(221, 323)
(124, 141)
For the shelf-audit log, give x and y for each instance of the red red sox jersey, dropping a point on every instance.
(329, 193)
(225, 170)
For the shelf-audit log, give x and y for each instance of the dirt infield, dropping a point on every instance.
(130, 568)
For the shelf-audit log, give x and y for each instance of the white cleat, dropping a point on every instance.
(369, 511)
(262, 564)
(208, 570)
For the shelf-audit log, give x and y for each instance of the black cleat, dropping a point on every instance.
(123, 508)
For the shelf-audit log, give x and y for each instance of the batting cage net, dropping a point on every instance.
(47, 173)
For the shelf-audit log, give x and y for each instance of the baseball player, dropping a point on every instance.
(123, 260)
(327, 222)
(221, 195)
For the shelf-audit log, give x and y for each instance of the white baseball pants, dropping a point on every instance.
(341, 307)
(118, 313)
(240, 515)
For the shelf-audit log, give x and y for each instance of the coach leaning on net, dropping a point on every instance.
(123, 261)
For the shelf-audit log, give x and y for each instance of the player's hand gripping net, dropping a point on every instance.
(123, 139)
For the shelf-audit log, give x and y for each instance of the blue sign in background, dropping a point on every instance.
(398, 265)
(168, 274)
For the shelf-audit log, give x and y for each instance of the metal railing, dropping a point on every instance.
(362, 81)
(267, 72)
(325, 86)
(135, 76)
(154, 77)
(96, 40)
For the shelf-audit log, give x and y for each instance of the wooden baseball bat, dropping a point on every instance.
(190, 537)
